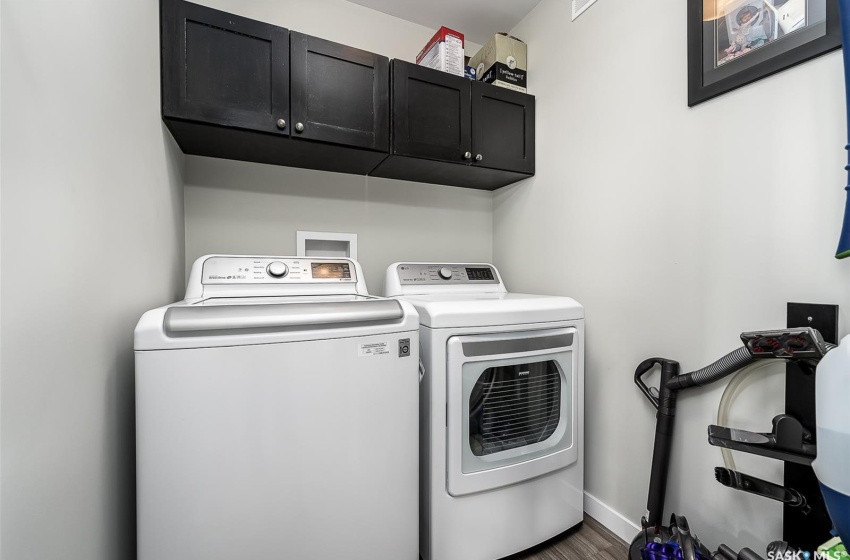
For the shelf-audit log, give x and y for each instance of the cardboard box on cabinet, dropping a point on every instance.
(503, 62)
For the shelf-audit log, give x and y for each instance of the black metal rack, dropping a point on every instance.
(811, 330)
(794, 435)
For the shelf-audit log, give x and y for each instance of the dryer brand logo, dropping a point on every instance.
(521, 373)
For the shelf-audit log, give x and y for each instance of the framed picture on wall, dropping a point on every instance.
(732, 43)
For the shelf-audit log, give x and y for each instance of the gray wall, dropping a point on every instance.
(93, 233)
(249, 208)
(647, 212)
(92, 236)
(246, 208)
(677, 228)
(339, 21)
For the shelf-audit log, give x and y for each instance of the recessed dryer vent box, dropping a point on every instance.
(326, 244)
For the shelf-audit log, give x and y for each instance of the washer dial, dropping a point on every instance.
(277, 269)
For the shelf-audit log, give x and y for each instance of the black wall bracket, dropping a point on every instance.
(806, 531)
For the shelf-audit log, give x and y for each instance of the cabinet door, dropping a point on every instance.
(502, 128)
(224, 69)
(339, 94)
(431, 113)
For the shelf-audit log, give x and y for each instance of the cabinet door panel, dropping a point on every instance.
(503, 128)
(431, 113)
(339, 94)
(223, 69)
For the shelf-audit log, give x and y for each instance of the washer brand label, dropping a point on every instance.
(230, 277)
(374, 349)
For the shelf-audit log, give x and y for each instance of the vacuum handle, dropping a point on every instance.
(643, 368)
(665, 418)
(686, 540)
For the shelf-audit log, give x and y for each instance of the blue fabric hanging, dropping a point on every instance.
(844, 241)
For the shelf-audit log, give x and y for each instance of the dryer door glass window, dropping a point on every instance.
(514, 406)
(515, 410)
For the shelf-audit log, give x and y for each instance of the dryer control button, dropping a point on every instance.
(445, 273)
(277, 269)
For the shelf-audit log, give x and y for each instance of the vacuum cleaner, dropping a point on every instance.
(787, 441)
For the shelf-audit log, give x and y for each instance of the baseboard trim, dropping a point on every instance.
(610, 518)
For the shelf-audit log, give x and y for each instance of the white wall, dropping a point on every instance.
(92, 236)
(677, 228)
(641, 208)
(248, 208)
(339, 21)
(251, 208)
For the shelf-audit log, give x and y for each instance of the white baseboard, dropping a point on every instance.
(610, 518)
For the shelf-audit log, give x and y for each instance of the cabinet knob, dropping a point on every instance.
(467, 155)
(479, 157)
(281, 124)
(299, 127)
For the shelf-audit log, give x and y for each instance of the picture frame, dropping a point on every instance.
(733, 43)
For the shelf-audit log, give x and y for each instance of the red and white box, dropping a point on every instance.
(444, 52)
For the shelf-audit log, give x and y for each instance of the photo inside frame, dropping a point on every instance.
(744, 26)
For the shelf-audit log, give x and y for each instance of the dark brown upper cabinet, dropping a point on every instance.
(223, 69)
(452, 131)
(502, 128)
(339, 94)
(235, 88)
(431, 114)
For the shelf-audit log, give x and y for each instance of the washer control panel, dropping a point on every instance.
(447, 274)
(251, 270)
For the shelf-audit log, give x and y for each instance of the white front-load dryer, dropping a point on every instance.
(501, 411)
(276, 416)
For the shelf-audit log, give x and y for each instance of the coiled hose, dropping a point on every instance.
(735, 386)
(727, 365)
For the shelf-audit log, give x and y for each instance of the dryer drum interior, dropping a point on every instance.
(514, 406)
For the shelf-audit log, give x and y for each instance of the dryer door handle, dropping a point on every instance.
(202, 320)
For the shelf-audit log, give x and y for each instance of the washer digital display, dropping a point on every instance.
(331, 270)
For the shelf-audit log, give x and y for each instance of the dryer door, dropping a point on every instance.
(511, 407)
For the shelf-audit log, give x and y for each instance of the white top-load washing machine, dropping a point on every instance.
(277, 416)
(501, 407)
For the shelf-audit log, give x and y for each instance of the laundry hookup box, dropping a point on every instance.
(444, 52)
(503, 62)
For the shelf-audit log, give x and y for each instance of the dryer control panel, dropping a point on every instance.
(433, 273)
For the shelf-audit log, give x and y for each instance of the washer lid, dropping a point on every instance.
(266, 300)
(220, 322)
(466, 310)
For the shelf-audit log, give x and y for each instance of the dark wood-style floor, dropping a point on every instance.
(591, 542)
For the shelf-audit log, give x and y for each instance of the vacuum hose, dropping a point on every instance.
(735, 386)
(727, 365)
